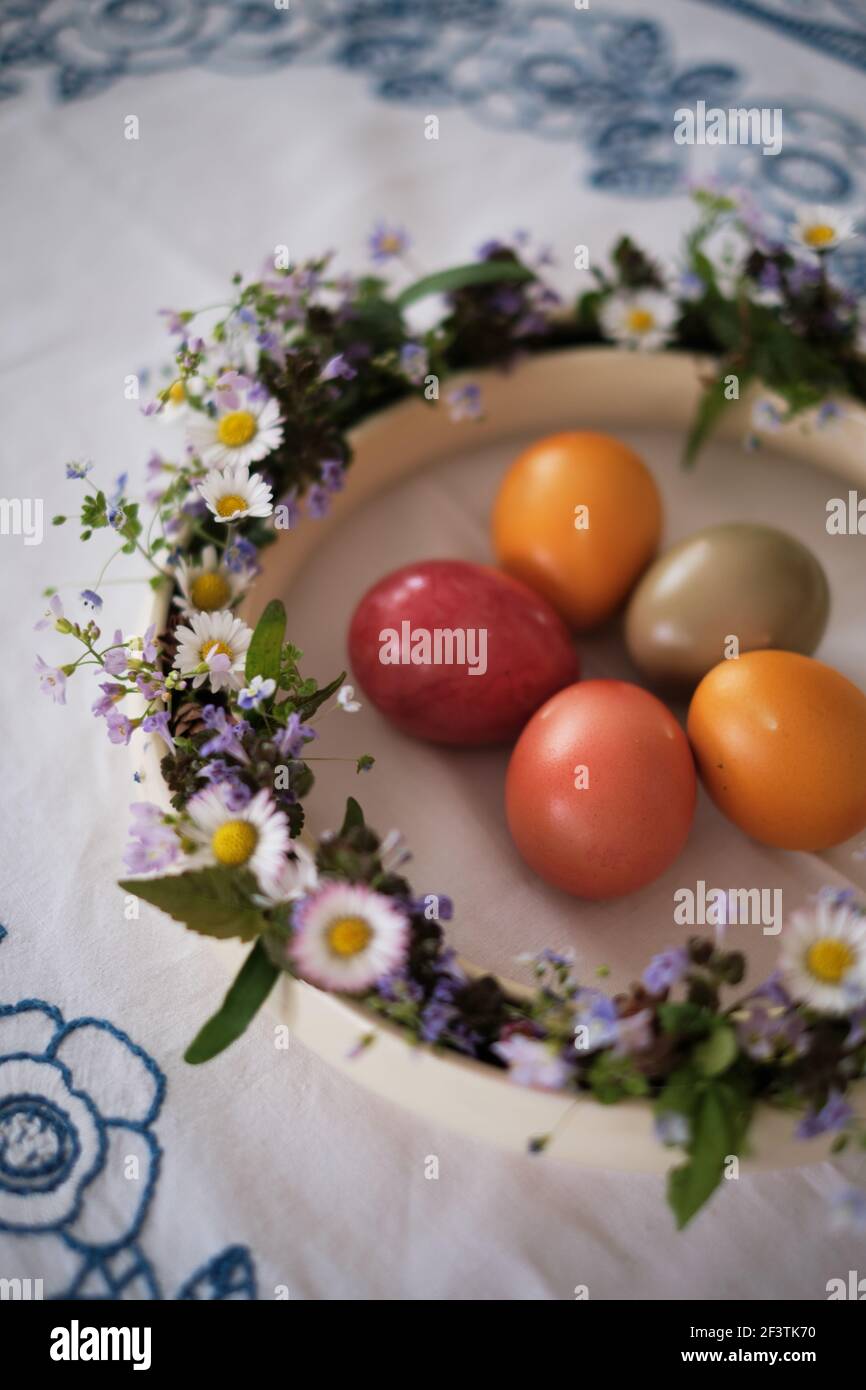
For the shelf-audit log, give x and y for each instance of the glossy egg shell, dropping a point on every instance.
(630, 822)
(780, 743)
(529, 652)
(586, 573)
(737, 579)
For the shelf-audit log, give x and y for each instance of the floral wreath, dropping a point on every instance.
(291, 364)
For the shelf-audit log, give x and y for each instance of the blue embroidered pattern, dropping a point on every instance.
(79, 1161)
(608, 82)
(813, 22)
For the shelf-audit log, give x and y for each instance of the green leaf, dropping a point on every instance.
(251, 987)
(719, 1116)
(354, 816)
(459, 277)
(716, 1053)
(313, 702)
(712, 403)
(213, 901)
(264, 651)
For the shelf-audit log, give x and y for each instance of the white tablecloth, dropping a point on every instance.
(266, 1173)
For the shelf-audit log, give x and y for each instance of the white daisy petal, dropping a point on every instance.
(822, 961)
(238, 437)
(255, 837)
(643, 319)
(210, 635)
(232, 493)
(206, 586)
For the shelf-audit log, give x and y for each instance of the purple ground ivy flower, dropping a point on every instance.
(318, 502)
(332, 474)
(290, 740)
(228, 734)
(834, 1116)
(665, 970)
(338, 367)
(158, 724)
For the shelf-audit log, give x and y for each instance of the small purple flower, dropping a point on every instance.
(691, 286)
(387, 242)
(174, 321)
(149, 648)
(830, 413)
(240, 555)
(235, 793)
(256, 692)
(91, 599)
(318, 502)
(414, 362)
(53, 612)
(464, 402)
(332, 474)
(836, 1115)
(766, 1029)
(78, 470)
(116, 518)
(120, 728)
(770, 277)
(338, 366)
(158, 724)
(153, 844)
(290, 740)
(111, 693)
(230, 388)
(665, 970)
(52, 681)
(532, 1063)
(228, 734)
(116, 660)
(596, 1022)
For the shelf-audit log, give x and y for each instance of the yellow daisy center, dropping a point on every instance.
(829, 960)
(231, 503)
(210, 591)
(236, 428)
(233, 842)
(208, 648)
(176, 393)
(819, 234)
(640, 320)
(347, 936)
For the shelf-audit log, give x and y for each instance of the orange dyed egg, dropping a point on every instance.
(600, 791)
(578, 517)
(780, 743)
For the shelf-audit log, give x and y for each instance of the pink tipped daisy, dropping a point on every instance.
(240, 436)
(346, 937)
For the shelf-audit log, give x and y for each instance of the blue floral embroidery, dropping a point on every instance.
(79, 1161)
(606, 82)
(813, 22)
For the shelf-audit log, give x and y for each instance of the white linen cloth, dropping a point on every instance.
(314, 1187)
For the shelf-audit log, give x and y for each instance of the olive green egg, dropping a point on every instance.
(733, 581)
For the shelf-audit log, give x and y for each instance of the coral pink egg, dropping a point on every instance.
(458, 653)
(600, 791)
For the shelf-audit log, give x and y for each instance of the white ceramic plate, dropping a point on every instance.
(421, 486)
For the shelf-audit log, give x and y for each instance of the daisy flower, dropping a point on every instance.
(254, 836)
(820, 229)
(244, 435)
(823, 957)
(346, 937)
(232, 493)
(176, 399)
(206, 586)
(217, 641)
(639, 320)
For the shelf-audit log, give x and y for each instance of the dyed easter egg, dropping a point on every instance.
(600, 791)
(458, 653)
(578, 517)
(737, 580)
(780, 743)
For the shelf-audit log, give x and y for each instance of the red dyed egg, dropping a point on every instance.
(600, 791)
(458, 653)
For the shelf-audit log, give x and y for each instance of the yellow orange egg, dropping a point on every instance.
(780, 743)
(578, 518)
